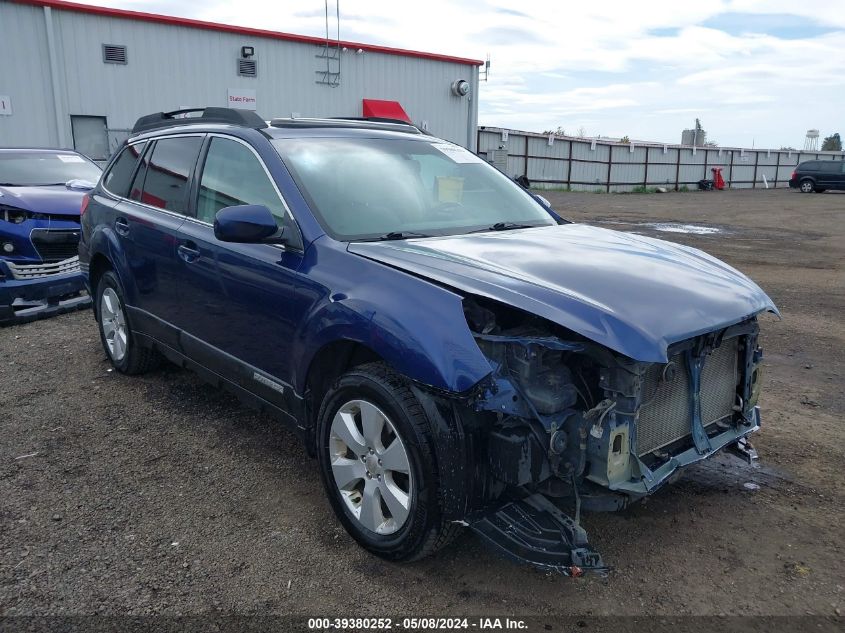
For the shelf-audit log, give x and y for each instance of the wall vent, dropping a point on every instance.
(114, 54)
(247, 67)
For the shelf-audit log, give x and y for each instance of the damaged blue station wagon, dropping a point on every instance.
(451, 350)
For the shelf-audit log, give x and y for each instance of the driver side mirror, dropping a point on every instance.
(248, 224)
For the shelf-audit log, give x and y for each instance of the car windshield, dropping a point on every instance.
(27, 169)
(376, 188)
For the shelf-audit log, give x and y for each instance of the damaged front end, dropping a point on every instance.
(567, 424)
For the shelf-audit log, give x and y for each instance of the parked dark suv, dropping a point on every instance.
(451, 350)
(818, 175)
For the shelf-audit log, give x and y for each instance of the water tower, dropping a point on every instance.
(811, 141)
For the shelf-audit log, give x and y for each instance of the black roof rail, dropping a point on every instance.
(231, 116)
(372, 123)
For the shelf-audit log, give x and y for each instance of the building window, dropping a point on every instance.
(247, 67)
(114, 54)
(90, 136)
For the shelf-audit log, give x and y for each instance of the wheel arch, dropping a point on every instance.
(329, 363)
(96, 269)
(107, 254)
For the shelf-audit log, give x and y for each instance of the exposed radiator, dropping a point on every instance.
(666, 416)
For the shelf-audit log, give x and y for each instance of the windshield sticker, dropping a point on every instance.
(457, 153)
(450, 189)
(70, 158)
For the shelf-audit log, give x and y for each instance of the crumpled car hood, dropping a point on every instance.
(54, 200)
(633, 294)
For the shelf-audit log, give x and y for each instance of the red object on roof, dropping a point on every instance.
(385, 110)
(62, 5)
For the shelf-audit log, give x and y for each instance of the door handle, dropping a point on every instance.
(121, 227)
(188, 251)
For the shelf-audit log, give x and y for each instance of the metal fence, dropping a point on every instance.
(550, 162)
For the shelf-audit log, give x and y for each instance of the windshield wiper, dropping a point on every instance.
(37, 184)
(400, 235)
(505, 226)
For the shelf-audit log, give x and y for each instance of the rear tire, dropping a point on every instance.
(807, 186)
(361, 487)
(121, 346)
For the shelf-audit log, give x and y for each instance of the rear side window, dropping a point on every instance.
(233, 175)
(119, 176)
(166, 182)
(811, 166)
(137, 189)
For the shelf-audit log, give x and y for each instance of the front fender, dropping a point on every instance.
(417, 327)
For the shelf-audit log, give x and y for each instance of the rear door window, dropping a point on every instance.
(168, 173)
(830, 167)
(119, 176)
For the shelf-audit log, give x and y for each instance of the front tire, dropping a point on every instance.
(807, 186)
(120, 344)
(378, 465)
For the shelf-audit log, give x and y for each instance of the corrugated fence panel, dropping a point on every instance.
(540, 147)
(582, 150)
(588, 175)
(552, 173)
(624, 177)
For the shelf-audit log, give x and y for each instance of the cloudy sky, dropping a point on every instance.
(754, 71)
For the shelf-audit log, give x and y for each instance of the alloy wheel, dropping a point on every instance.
(807, 187)
(371, 467)
(113, 322)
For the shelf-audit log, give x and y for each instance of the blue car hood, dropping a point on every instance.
(633, 294)
(54, 200)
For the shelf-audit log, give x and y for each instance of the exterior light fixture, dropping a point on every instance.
(247, 51)
(460, 88)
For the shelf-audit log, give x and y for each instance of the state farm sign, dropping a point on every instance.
(242, 98)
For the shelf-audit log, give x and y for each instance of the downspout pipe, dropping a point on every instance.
(61, 128)
(472, 112)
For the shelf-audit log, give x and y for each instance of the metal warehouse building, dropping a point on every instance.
(74, 75)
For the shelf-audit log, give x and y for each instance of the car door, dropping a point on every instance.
(241, 305)
(147, 225)
(828, 176)
(840, 184)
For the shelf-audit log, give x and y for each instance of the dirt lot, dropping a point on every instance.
(157, 494)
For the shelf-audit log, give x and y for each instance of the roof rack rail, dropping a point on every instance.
(379, 119)
(244, 118)
(394, 125)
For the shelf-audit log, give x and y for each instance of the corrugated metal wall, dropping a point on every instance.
(587, 165)
(173, 66)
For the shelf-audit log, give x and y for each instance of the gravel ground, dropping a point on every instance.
(160, 495)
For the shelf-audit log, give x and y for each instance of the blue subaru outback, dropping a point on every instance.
(450, 349)
(40, 195)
